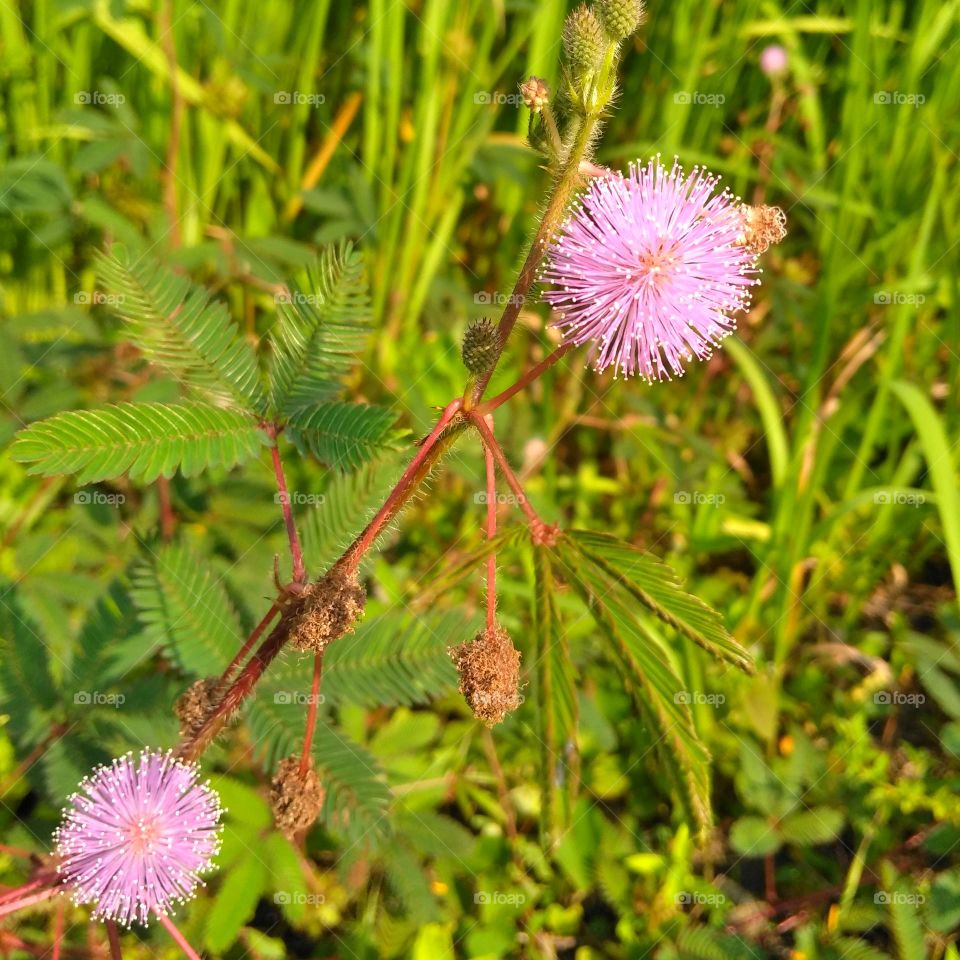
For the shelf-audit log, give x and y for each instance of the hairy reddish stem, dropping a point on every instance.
(418, 467)
(305, 757)
(491, 472)
(244, 683)
(494, 448)
(299, 572)
(251, 640)
(177, 936)
(113, 938)
(58, 931)
(488, 406)
(28, 899)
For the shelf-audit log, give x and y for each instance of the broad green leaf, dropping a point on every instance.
(320, 330)
(146, 440)
(236, 900)
(811, 827)
(178, 326)
(656, 586)
(754, 837)
(185, 608)
(340, 434)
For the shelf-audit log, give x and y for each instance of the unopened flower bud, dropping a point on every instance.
(489, 669)
(479, 349)
(332, 605)
(197, 702)
(535, 93)
(296, 800)
(621, 18)
(762, 227)
(584, 41)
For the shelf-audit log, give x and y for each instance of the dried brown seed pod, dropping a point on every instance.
(762, 227)
(489, 668)
(197, 702)
(296, 800)
(331, 607)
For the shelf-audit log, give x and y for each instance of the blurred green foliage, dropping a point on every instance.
(804, 480)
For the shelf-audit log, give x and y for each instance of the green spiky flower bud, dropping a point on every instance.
(584, 41)
(621, 18)
(479, 349)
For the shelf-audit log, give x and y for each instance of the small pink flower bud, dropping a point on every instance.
(774, 60)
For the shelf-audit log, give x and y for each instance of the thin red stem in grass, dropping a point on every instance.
(250, 641)
(404, 488)
(491, 472)
(113, 938)
(177, 936)
(311, 715)
(494, 448)
(299, 573)
(488, 406)
(58, 930)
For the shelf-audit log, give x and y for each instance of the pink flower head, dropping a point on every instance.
(137, 835)
(652, 267)
(774, 60)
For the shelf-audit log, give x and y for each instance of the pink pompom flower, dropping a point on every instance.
(652, 267)
(137, 836)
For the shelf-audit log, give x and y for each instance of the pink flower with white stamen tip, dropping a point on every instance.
(137, 835)
(651, 267)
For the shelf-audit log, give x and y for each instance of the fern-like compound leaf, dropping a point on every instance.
(146, 440)
(323, 320)
(177, 325)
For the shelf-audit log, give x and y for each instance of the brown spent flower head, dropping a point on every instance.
(535, 93)
(489, 668)
(622, 17)
(296, 800)
(762, 227)
(332, 605)
(583, 39)
(197, 702)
